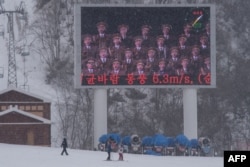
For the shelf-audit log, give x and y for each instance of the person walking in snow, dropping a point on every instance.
(64, 145)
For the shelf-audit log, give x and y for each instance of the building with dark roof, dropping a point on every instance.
(24, 118)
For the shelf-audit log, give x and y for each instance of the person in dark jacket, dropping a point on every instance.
(64, 145)
(109, 148)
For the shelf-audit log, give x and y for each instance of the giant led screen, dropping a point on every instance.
(145, 46)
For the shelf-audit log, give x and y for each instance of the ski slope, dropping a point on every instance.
(35, 156)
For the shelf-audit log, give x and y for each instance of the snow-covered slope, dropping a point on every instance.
(34, 156)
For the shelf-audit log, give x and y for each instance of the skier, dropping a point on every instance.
(64, 145)
(120, 151)
(109, 148)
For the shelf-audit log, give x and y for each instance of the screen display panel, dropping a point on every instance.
(144, 46)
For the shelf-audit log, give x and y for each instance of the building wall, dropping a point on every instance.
(29, 134)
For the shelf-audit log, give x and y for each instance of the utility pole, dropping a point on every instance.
(12, 77)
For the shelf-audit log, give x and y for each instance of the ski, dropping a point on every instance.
(116, 160)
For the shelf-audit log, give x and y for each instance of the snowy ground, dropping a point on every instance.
(34, 156)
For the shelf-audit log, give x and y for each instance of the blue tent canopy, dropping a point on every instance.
(193, 143)
(126, 140)
(103, 138)
(181, 140)
(170, 142)
(147, 141)
(116, 137)
(159, 140)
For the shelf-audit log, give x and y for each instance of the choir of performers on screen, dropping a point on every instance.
(163, 54)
